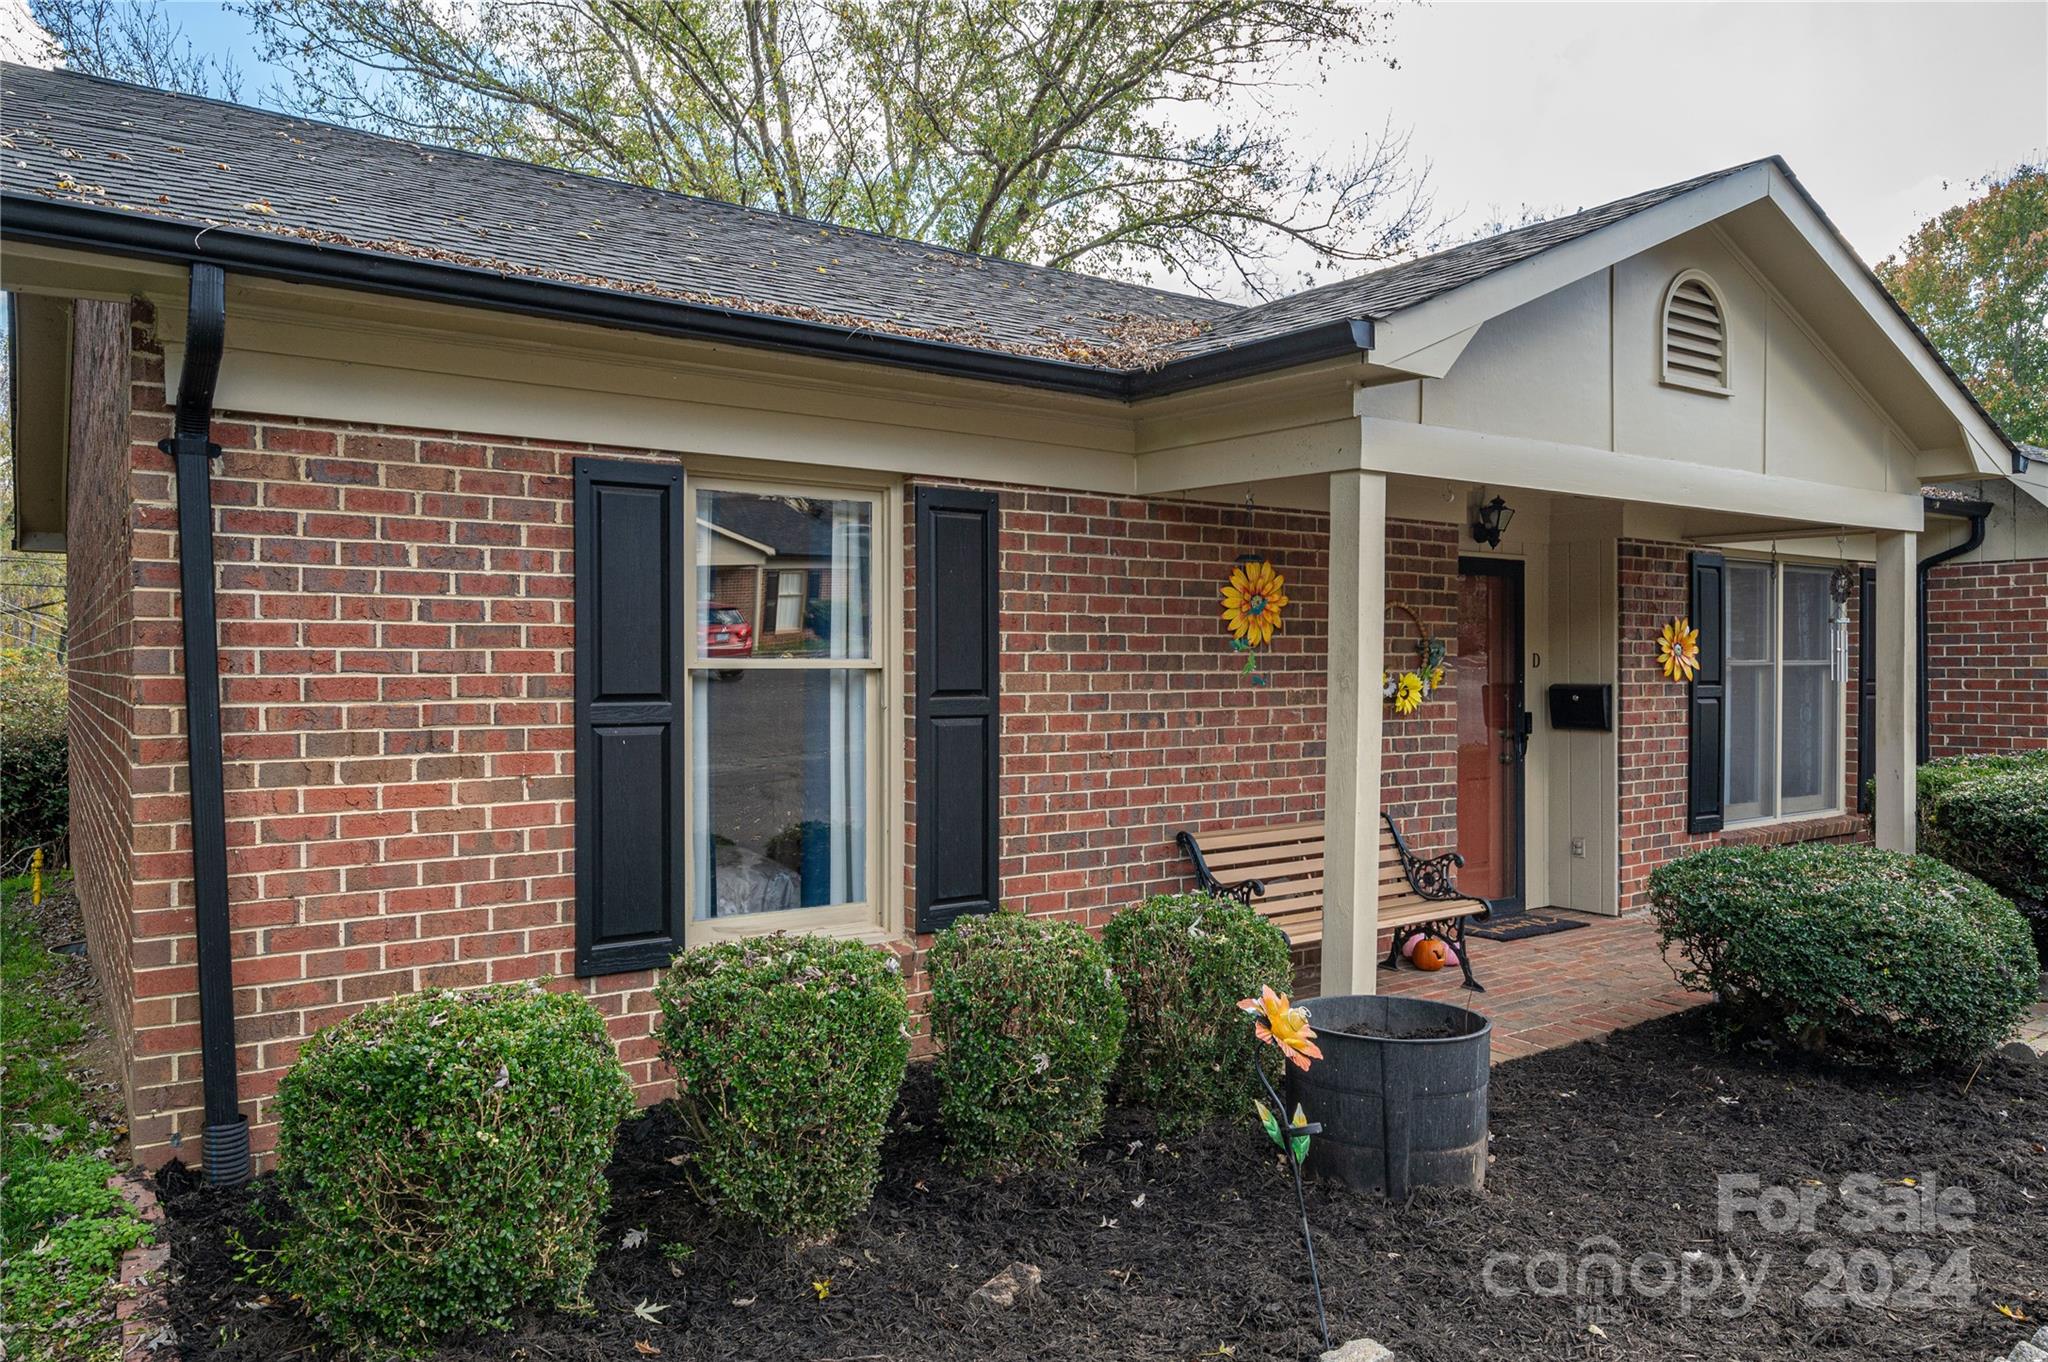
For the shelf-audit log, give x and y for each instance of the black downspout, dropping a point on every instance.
(1976, 511)
(192, 452)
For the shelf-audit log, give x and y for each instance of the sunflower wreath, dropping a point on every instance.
(1406, 691)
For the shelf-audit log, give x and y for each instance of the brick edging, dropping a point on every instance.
(141, 1307)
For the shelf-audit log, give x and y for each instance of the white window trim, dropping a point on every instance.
(875, 920)
(1843, 692)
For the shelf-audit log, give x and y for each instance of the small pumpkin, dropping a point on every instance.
(1432, 954)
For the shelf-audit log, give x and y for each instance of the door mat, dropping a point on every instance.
(1523, 925)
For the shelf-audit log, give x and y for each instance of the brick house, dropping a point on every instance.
(414, 502)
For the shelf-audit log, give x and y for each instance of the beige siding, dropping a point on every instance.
(1581, 367)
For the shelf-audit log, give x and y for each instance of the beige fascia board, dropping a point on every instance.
(289, 386)
(32, 268)
(1312, 395)
(1416, 329)
(1246, 460)
(1980, 437)
(1578, 470)
(1433, 360)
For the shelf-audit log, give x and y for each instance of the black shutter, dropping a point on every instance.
(1866, 687)
(958, 721)
(1709, 700)
(629, 675)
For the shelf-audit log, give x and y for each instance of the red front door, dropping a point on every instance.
(1488, 677)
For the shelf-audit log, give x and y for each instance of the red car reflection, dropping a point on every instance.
(724, 632)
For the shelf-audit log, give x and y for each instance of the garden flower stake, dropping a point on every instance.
(1285, 1027)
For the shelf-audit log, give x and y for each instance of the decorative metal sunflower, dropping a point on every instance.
(1253, 602)
(1678, 650)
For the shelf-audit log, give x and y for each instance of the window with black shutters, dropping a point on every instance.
(737, 645)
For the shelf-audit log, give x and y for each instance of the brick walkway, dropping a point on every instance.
(1546, 991)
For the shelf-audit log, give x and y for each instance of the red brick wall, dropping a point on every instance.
(1987, 657)
(396, 646)
(1655, 732)
(100, 594)
(1125, 714)
(396, 696)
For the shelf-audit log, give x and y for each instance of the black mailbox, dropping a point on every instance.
(1586, 707)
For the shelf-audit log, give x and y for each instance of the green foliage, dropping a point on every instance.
(35, 795)
(1976, 280)
(788, 1053)
(66, 1232)
(1184, 962)
(1864, 955)
(1028, 1019)
(1989, 816)
(62, 1229)
(1935, 778)
(444, 1158)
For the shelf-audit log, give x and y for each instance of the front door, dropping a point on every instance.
(1492, 731)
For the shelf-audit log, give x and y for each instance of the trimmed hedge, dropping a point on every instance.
(1989, 816)
(1029, 1020)
(1934, 778)
(35, 762)
(444, 1157)
(1184, 961)
(788, 1053)
(1867, 956)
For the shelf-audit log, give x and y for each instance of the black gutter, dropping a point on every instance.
(1975, 512)
(192, 451)
(32, 218)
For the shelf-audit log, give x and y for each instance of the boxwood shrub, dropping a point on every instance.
(1867, 956)
(1989, 816)
(444, 1160)
(788, 1053)
(1028, 1019)
(1183, 962)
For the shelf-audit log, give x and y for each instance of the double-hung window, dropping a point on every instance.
(783, 714)
(1784, 698)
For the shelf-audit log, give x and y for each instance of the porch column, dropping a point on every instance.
(1351, 781)
(1897, 665)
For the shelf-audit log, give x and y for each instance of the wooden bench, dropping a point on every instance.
(1281, 866)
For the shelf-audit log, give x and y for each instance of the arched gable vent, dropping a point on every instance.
(1695, 334)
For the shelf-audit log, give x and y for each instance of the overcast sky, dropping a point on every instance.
(1886, 111)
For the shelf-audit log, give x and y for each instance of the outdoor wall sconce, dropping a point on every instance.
(1492, 523)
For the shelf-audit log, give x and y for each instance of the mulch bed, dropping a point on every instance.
(1186, 1248)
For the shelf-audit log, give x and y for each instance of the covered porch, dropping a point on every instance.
(1571, 812)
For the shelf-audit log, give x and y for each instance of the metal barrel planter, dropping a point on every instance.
(1400, 1093)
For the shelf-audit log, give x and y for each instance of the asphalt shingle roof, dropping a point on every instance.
(248, 183)
(221, 166)
(1384, 292)
(206, 162)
